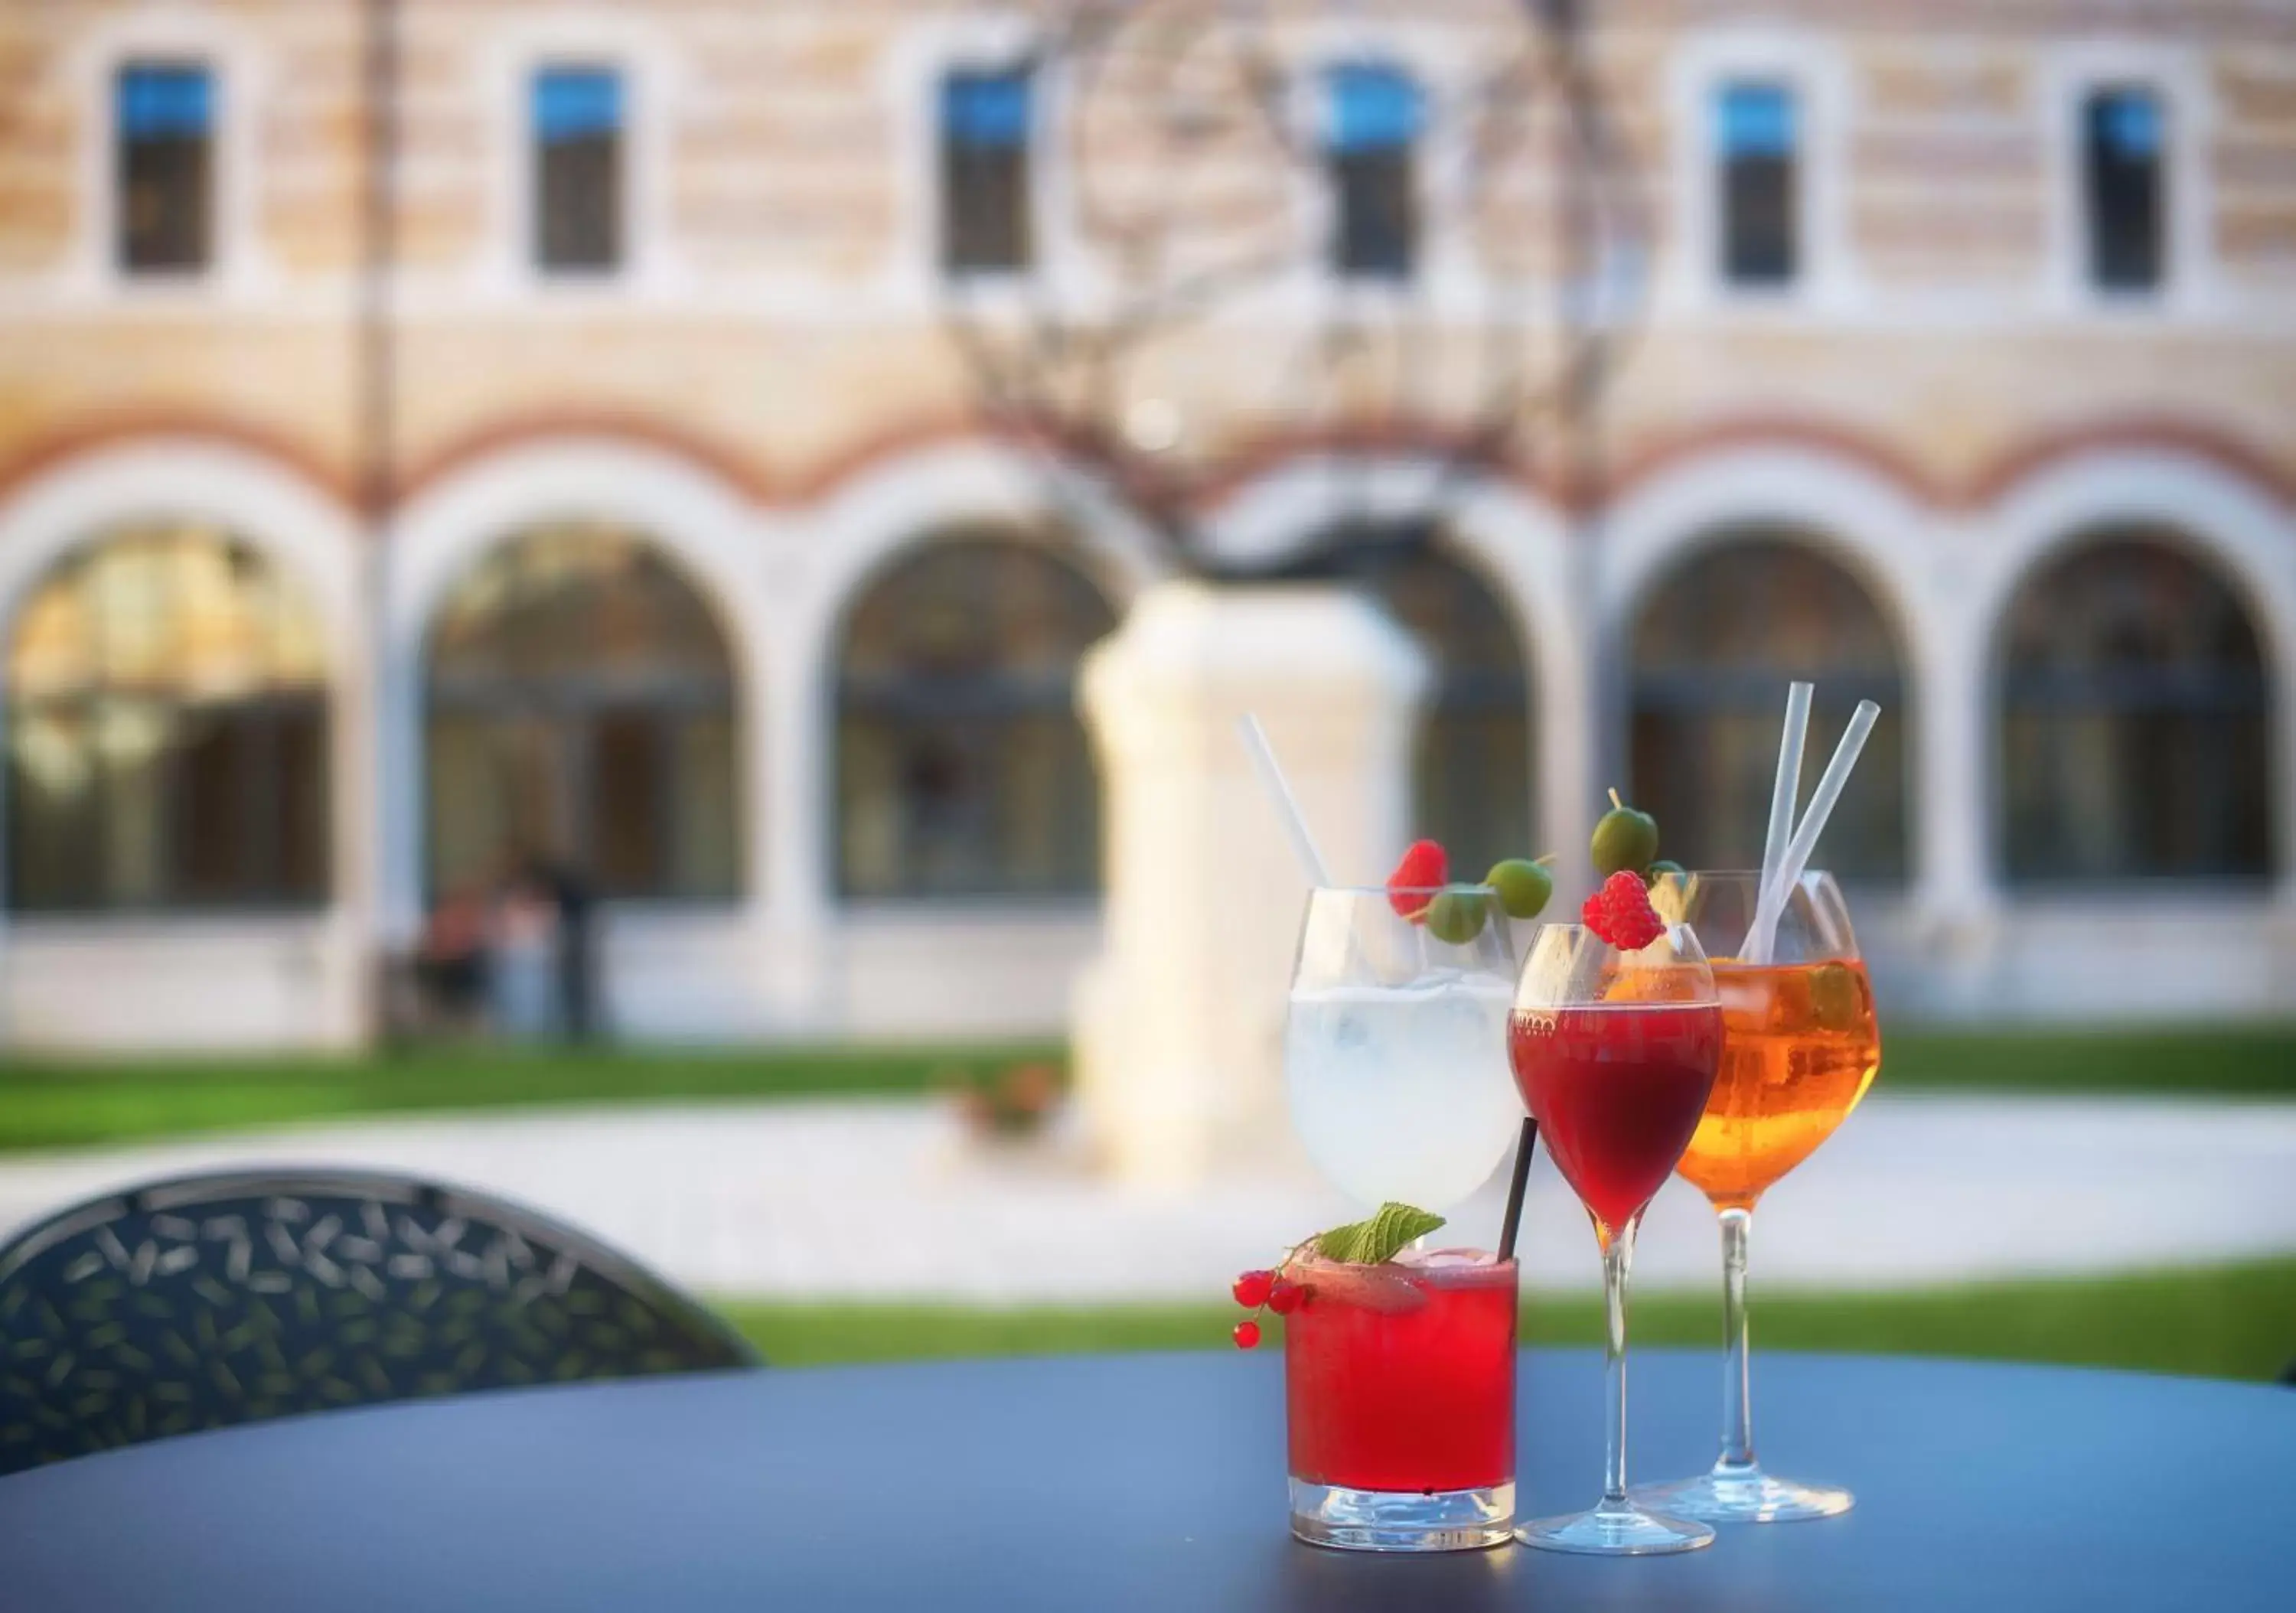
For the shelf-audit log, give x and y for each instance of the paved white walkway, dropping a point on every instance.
(884, 1200)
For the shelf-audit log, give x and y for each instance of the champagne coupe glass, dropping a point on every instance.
(1400, 1376)
(1615, 1052)
(1800, 1047)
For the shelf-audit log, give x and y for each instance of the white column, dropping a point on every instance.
(1179, 1023)
(1573, 706)
(792, 767)
(1952, 828)
(2280, 757)
(359, 941)
(1590, 646)
(397, 777)
(1954, 896)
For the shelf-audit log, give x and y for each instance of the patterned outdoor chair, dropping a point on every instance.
(203, 1301)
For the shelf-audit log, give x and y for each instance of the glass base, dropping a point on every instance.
(1744, 1496)
(1623, 1531)
(1402, 1520)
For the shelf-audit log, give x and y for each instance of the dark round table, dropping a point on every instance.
(1157, 1483)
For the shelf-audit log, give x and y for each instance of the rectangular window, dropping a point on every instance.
(577, 169)
(164, 117)
(628, 797)
(705, 841)
(1373, 116)
(2123, 139)
(1755, 143)
(297, 801)
(56, 809)
(219, 835)
(984, 172)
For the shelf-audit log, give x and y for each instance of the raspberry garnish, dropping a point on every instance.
(1411, 886)
(1621, 914)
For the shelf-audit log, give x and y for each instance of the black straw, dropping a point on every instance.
(1513, 1221)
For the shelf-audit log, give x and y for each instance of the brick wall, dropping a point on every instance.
(789, 323)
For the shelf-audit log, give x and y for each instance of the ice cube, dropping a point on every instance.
(1445, 1259)
(1394, 952)
(1327, 947)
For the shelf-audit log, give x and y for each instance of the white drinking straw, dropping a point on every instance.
(1287, 807)
(1821, 802)
(1783, 792)
(1786, 791)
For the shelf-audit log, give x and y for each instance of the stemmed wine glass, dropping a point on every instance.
(1800, 1047)
(1615, 1053)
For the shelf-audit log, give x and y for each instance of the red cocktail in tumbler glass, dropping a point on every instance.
(1399, 1371)
(1399, 1382)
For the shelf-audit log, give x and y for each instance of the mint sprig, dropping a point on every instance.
(1379, 1238)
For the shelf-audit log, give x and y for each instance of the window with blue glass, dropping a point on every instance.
(1373, 115)
(985, 122)
(1757, 141)
(2124, 139)
(164, 118)
(578, 117)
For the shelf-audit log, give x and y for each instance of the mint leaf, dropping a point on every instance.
(1379, 1238)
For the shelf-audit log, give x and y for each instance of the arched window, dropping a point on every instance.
(2134, 708)
(581, 709)
(962, 768)
(1716, 641)
(167, 731)
(1471, 775)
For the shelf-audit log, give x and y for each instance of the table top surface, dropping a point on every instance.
(1156, 1482)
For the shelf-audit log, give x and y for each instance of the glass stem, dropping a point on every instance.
(1617, 1256)
(1737, 1380)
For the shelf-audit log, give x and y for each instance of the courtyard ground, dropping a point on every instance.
(48, 1104)
(2090, 1217)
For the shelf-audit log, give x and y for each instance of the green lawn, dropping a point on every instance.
(62, 1104)
(2224, 1322)
(2251, 1061)
(68, 1104)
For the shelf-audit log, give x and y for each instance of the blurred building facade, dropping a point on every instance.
(596, 478)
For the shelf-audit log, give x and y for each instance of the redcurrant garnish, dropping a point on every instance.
(1251, 1288)
(1283, 1296)
(1247, 1334)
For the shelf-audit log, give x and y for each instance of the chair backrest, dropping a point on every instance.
(203, 1301)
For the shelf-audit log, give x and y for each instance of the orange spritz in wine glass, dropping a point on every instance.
(1800, 1047)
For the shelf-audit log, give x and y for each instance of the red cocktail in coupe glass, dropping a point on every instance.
(1398, 1383)
(1615, 1053)
(1619, 1093)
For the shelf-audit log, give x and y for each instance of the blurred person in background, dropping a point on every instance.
(523, 998)
(452, 963)
(573, 950)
